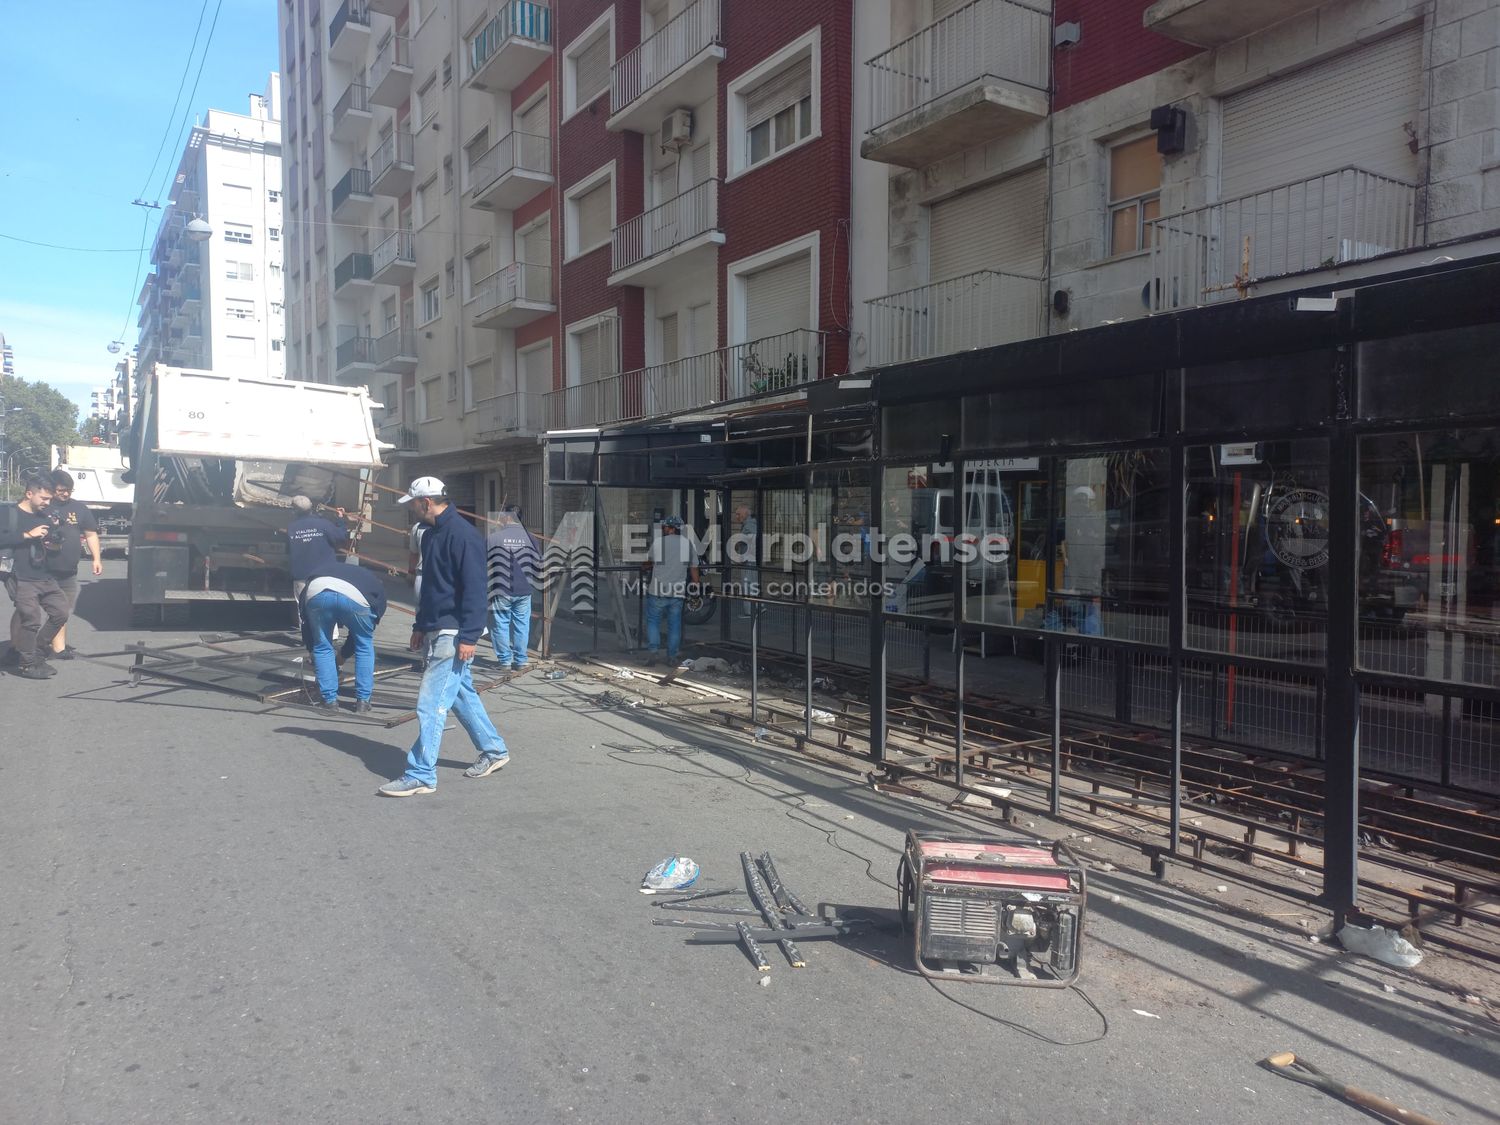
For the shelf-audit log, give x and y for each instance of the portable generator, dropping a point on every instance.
(993, 911)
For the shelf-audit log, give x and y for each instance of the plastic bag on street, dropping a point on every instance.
(671, 874)
(1386, 946)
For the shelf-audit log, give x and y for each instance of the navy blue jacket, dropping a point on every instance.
(515, 562)
(366, 582)
(453, 579)
(309, 546)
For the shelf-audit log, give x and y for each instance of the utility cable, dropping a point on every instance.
(188, 107)
(80, 249)
(176, 99)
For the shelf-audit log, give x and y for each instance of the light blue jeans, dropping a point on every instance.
(326, 610)
(447, 685)
(510, 628)
(671, 609)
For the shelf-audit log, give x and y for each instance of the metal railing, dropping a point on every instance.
(350, 11)
(514, 412)
(519, 281)
(694, 212)
(1213, 252)
(693, 29)
(396, 342)
(977, 310)
(355, 267)
(356, 349)
(393, 51)
(356, 98)
(397, 247)
(404, 438)
(513, 152)
(398, 148)
(520, 19)
(586, 404)
(989, 38)
(356, 181)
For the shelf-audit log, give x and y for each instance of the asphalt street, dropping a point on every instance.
(209, 916)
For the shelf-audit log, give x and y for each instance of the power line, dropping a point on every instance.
(176, 98)
(79, 249)
(145, 222)
(188, 108)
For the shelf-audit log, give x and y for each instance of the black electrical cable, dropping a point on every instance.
(1023, 1029)
(188, 108)
(176, 100)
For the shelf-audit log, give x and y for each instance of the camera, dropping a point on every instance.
(50, 543)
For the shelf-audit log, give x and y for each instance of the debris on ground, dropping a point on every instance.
(708, 664)
(671, 874)
(1386, 946)
(820, 716)
(555, 674)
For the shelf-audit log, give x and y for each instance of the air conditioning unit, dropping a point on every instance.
(677, 129)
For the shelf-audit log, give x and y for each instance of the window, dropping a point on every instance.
(273, 196)
(449, 271)
(275, 345)
(427, 102)
(239, 347)
(239, 309)
(431, 390)
(239, 271)
(593, 350)
(237, 197)
(590, 212)
(477, 267)
(453, 386)
(426, 206)
(1134, 194)
(275, 270)
(432, 302)
(277, 308)
(274, 233)
(586, 64)
(475, 149)
(477, 383)
(238, 232)
(447, 173)
(774, 107)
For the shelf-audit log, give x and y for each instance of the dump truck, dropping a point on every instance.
(98, 473)
(216, 459)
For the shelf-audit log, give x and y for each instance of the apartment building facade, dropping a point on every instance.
(215, 298)
(1058, 169)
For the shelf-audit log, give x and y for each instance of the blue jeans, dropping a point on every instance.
(447, 684)
(656, 609)
(510, 626)
(326, 610)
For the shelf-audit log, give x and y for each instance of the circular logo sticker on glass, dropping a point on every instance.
(1297, 527)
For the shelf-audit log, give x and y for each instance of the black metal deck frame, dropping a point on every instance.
(1410, 352)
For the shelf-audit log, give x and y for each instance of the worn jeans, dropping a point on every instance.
(510, 628)
(447, 685)
(656, 609)
(326, 610)
(41, 610)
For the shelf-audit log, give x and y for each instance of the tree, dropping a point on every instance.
(45, 418)
(88, 430)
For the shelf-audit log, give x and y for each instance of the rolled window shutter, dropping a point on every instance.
(785, 88)
(592, 209)
(588, 355)
(591, 69)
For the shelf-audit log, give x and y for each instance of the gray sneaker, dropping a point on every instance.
(485, 766)
(405, 787)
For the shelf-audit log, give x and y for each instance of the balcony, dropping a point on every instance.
(585, 404)
(512, 296)
(354, 356)
(967, 79)
(1220, 251)
(395, 259)
(514, 170)
(351, 196)
(351, 115)
(396, 352)
(401, 439)
(517, 414)
(977, 310)
(1212, 23)
(393, 166)
(675, 67)
(669, 239)
(390, 74)
(349, 32)
(355, 272)
(509, 47)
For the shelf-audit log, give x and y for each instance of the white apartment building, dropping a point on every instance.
(1048, 172)
(217, 303)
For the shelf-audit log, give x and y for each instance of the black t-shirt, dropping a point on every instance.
(30, 562)
(75, 519)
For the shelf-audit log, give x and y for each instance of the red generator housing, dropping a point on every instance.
(993, 911)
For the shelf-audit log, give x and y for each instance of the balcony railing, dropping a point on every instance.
(520, 412)
(350, 11)
(356, 183)
(396, 149)
(396, 346)
(696, 28)
(390, 74)
(519, 281)
(1216, 252)
(355, 350)
(977, 310)
(694, 212)
(586, 404)
(356, 99)
(403, 438)
(519, 19)
(514, 152)
(399, 248)
(356, 267)
(998, 39)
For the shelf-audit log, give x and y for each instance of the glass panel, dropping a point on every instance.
(1030, 416)
(1122, 230)
(1430, 375)
(1256, 543)
(783, 558)
(916, 429)
(1134, 168)
(760, 142)
(1005, 526)
(1293, 392)
(916, 524)
(1429, 565)
(1150, 209)
(841, 526)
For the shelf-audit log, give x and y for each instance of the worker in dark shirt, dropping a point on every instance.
(79, 527)
(310, 542)
(351, 596)
(29, 539)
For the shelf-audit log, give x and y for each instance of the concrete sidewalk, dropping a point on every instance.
(211, 916)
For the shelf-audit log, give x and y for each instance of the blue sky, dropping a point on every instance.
(86, 96)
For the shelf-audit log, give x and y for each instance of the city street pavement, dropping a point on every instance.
(209, 916)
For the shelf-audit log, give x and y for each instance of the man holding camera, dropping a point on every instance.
(79, 528)
(30, 542)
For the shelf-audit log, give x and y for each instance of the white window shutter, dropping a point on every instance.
(786, 87)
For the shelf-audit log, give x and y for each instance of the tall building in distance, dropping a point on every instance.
(7, 358)
(215, 300)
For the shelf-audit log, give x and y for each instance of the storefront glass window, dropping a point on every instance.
(918, 515)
